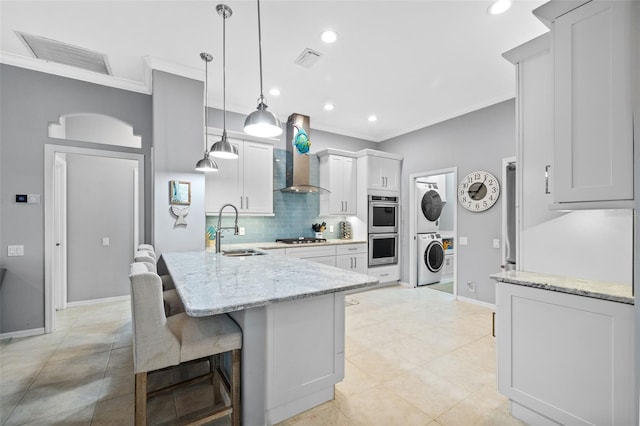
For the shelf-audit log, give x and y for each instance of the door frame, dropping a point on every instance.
(505, 201)
(413, 225)
(50, 153)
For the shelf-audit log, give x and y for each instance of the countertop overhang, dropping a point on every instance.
(209, 283)
(268, 245)
(614, 292)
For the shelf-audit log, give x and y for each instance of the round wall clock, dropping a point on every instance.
(478, 191)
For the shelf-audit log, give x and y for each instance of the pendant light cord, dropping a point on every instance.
(224, 71)
(260, 50)
(206, 102)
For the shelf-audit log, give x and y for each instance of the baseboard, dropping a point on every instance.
(476, 302)
(98, 301)
(22, 333)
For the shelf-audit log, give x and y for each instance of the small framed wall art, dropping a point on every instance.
(179, 192)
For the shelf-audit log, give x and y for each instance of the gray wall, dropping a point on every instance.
(100, 194)
(475, 141)
(178, 143)
(29, 101)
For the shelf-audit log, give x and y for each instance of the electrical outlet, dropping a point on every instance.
(496, 243)
(330, 228)
(106, 241)
(241, 230)
(471, 286)
(463, 241)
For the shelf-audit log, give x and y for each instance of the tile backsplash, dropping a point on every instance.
(294, 213)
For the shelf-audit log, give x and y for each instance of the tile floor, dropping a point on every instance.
(413, 357)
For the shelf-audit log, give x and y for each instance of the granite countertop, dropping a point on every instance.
(268, 245)
(209, 283)
(614, 292)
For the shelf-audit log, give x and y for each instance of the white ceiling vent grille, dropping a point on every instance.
(308, 58)
(67, 54)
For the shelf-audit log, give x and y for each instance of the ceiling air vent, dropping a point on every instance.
(308, 58)
(67, 54)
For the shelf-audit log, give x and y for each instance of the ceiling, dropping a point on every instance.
(411, 63)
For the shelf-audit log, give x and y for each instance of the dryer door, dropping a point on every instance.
(434, 256)
(431, 205)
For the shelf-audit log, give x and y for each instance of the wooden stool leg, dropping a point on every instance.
(236, 405)
(215, 363)
(141, 399)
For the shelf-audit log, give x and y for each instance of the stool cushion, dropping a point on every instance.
(204, 336)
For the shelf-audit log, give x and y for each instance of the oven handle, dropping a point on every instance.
(378, 236)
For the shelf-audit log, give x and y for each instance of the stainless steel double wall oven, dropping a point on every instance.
(383, 230)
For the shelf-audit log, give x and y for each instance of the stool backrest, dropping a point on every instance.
(143, 256)
(154, 345)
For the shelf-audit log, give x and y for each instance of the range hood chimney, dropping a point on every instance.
(297, 179)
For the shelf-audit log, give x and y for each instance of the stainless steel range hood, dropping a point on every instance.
(297, 165)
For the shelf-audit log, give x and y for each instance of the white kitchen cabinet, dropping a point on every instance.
(246, 182)
(318, 254)
(383, 173)
(565, 358)
(593, 118)
(352, 257)
(305, 354)
(338, 175)
(385, 274)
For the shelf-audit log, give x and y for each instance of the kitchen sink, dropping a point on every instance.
(242, 252)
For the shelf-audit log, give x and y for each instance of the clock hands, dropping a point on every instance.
(479, 187)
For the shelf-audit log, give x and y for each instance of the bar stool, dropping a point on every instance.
(167, 282)
(171, 299)
(160, 342)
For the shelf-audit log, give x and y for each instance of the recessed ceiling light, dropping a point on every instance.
(329, 36)
(328, 106)
(274, 92)
(499, 6)
(372, 118)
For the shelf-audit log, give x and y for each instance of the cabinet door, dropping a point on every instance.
(375, 168)
(349, 185)
(223, 186)
(391, 172)
(258, 178)
(336, 184)
(593, 116)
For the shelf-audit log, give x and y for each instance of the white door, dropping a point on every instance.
(224, 186)
(60, 232)
(258, 177)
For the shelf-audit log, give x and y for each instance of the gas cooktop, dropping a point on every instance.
(301, 240)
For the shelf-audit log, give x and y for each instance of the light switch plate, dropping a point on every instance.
(496, 243)
(33, 198)
(15, 251)
(330, 228)
(106, 242)
(241, 230)
(463, 241)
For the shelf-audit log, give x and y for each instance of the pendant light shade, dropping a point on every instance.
(222, 148)
(206, 164)
(262, 122)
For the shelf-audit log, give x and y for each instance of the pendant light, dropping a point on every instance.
(262, 122)
(206, 164)
(222, 148)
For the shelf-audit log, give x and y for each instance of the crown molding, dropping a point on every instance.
(153, 63)
(67, 71)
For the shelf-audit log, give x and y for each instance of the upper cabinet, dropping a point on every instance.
(592, 103)
(338, 175)
(383, 172)
(246, 182)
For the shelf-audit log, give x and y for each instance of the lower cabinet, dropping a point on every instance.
(385, 274)
(319, 254)
(352, 257)
(564, 358)
(305, 354)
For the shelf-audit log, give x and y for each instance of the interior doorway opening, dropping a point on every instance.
(433, 229)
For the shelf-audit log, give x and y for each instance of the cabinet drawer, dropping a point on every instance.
(325, 260)
(351, 249)
(385, 273)
(316, 251)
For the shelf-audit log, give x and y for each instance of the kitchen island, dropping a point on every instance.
(291, 312)
(565, 349)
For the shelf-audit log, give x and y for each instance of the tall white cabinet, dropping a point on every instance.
(593, 117)
(246, 182)
(338, 175)
(383, 172)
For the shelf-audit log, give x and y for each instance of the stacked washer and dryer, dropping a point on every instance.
(430, 249)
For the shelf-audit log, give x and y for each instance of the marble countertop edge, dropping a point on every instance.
(615, 292)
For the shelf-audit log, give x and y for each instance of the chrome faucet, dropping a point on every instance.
(219, 228)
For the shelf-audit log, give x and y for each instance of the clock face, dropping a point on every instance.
(478, 191)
